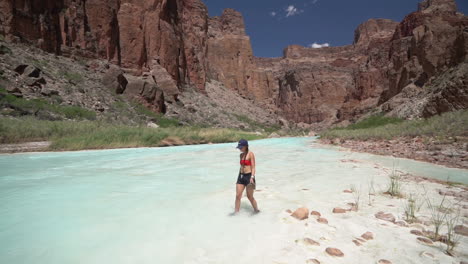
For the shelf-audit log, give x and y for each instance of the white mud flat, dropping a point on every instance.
(172, 205)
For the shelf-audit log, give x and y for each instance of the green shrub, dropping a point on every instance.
(72, 77)
(449, 124)
(34, 105)
(374, 121)
(254, 125)
(77, 135)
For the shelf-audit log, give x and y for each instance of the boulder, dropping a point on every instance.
(301, 213)
(115, 80)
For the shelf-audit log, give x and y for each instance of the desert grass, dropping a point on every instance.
(451, 124)
(438, 215)
(412, 206)
(395, 184)
(453, 238)
(356, 197)
(79, 135)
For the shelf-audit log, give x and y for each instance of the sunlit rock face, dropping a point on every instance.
(178, 44)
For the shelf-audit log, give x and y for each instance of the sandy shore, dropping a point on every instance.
(24, 147)
(379, 223)
(454, 155)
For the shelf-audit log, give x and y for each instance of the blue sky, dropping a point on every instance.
(274, 24)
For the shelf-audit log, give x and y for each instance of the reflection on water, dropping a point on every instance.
(170, 205)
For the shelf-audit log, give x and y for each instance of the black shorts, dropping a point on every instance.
(244, 179)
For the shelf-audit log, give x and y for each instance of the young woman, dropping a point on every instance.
(246, 178)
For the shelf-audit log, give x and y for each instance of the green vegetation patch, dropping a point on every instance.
(72, 77)
(78, 135)
(34, 105)
(451, 124)
(161, 120)
(254, 125)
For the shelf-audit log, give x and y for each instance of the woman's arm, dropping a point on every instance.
(252, 160)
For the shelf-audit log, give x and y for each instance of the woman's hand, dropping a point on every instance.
(252, 180)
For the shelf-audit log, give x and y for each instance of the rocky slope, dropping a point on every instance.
(166, 48)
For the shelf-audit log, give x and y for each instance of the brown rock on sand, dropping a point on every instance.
(322, 220)
(461, 230)
(384, 261)
(368, 236)
(311, 242)
(416, 232)
(386, 217)
(289, 211)
(301, 213)
(315, 213)
(357, 243)
(348, 191)
(425, 240)
(338, 210)
(334, 252)
(312, 261)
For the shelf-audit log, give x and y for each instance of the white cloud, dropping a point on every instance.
(292, 11)
(315, 45)
(273, 13)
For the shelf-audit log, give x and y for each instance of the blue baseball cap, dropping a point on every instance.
(242, 143)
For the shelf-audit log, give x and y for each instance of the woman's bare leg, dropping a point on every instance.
(250, 193)
(239, 190)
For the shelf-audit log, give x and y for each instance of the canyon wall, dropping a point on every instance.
(174, 44)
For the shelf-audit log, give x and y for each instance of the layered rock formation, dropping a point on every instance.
(171, 44)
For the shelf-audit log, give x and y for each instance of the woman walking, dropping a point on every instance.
(246, 178)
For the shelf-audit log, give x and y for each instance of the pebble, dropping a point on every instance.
(334, 252)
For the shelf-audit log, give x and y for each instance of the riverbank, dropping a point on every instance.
(440, 139)
(453, 155)
(23, 134)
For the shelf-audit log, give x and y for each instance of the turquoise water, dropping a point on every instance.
(170, 205)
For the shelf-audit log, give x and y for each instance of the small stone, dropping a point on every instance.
(357, 243)
(301, 213)
(315, 213)
(368, 236)
(426, 254)
(152, 125)
(289, 211)
(416, 232)
(311, 242)
(312, 261)
(425, 240)
(334, 252)
(322, 220)
(338, 210)
(386, 217)
(348, 191)
(401, 223)
(461, 230)
(384, 261)
(360, 239)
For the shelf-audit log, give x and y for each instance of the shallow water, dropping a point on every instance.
(171, 205)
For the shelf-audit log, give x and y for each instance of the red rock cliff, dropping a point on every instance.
(176, 44)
